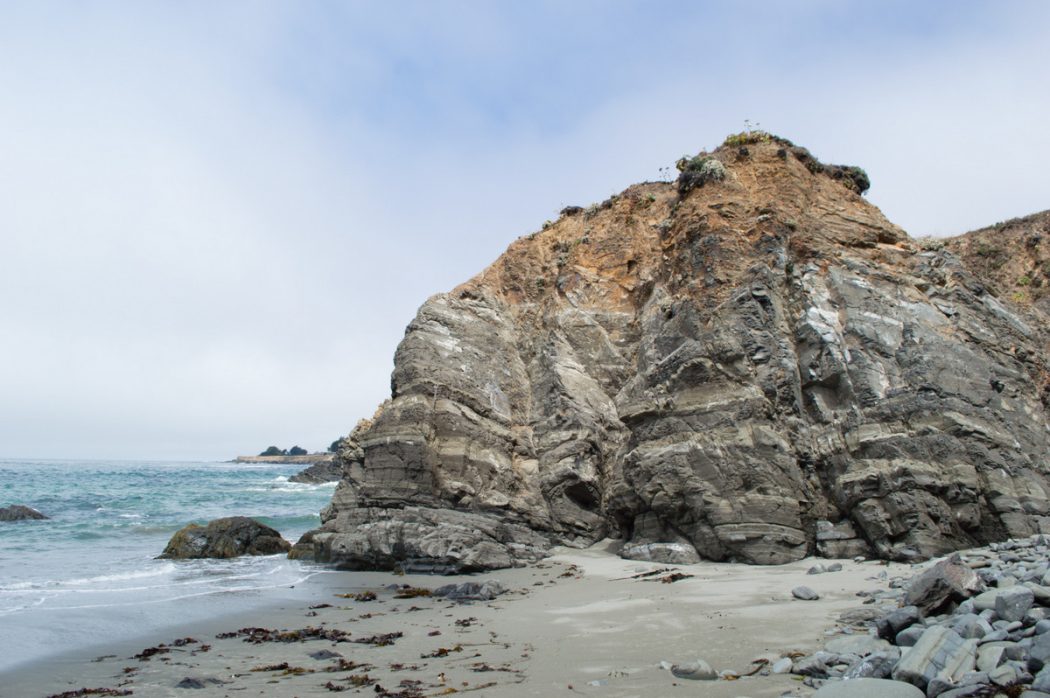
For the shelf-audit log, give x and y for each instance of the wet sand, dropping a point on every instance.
(583, 622)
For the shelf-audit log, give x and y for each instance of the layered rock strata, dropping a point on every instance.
(751, 365)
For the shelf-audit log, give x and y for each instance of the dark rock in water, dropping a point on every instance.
(326, 471)
(223, 538)
(755, 369)
(20, 512)
(698, 670)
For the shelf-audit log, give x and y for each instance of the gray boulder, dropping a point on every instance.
(947, 582)
(1012, 603)
(804, 593)
(224, 538)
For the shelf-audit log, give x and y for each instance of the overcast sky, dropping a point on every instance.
(216, 219)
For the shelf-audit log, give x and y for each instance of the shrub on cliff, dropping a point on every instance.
(297, 451)
(273, 451)
(698, 171)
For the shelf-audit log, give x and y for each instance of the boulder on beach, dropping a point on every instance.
(232, 536)
(20, 512)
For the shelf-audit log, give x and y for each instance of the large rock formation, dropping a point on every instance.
(750, 364)
(231, 536)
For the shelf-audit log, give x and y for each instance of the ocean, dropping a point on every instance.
(88, 575)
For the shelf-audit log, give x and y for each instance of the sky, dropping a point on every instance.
(216, 219)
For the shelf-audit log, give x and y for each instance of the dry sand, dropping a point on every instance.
(578, 623)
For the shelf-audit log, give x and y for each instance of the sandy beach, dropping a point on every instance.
(579, 623)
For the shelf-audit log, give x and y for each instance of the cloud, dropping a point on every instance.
(219, 219)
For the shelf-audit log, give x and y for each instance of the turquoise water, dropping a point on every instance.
(88, 573)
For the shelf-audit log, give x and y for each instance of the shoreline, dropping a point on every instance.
(579, 622)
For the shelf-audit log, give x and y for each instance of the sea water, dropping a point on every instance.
(89, 574)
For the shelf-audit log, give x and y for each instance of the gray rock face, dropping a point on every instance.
(717, 371)
(223, 538)
(325, 471)
(20, 512)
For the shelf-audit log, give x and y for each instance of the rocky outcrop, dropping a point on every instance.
(752, 366)
(325, 471)
(20, 512)
(223, 538)
(308, 459)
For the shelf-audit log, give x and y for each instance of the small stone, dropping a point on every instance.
(817, 569)
(782, 665)
(804, 593)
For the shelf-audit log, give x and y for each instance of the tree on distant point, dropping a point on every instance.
(334, 446)
(297, 451)
(273, 451)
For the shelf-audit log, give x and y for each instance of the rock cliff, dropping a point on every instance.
(748, 364)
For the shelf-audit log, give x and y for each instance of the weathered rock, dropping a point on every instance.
(840, 540)
(720, 367)
(939, 653)
(868, 688)
(664, 553)
(470, 591)
(694, 671)
(947, 582)
(423, 540)
(224, 538)
(20, 512)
